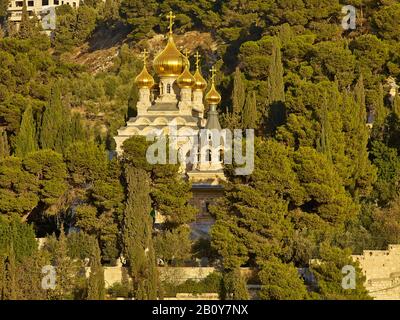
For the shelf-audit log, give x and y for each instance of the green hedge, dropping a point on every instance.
(211, 284)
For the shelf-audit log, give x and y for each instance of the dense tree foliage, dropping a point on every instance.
(325, 184)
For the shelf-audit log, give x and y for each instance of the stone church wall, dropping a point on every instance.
(175, 275)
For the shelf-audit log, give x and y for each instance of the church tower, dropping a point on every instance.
(209, 169)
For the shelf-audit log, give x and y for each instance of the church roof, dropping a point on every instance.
(212, 119)
(151, 118)
(170, 106)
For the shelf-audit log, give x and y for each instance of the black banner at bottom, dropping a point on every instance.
(179, 309)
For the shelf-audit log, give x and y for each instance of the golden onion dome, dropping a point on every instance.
(213, 97)
(170, 62)
(200, 83)
(186, 80)
(144, 79)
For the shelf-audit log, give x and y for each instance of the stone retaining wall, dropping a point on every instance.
(382, 271)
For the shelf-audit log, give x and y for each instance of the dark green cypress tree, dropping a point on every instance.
(11, 289)
(29, 277)
(77, 130)
(276, 88)
(238, 92)
(137, 235)
(276, 112)
(359, 96)
(2, 277)
(323, 143)
(364, 174)
(64, 269)
(52, 120)
(170, 193)
(4, 146)
(233, 118)
(96, 289)
(249, 115)
(26, 137)
(64, 135)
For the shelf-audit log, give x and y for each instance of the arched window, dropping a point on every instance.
(221, 155)
(207, 207)
(208, 155)
(168, 88)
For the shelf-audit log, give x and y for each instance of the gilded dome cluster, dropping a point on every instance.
(170, 62)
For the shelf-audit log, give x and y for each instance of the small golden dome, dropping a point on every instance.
(186, 80)
(213, 97)
(144, 79)
(170, 62)
(200, 83)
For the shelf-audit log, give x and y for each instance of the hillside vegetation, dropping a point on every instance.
(325, 184)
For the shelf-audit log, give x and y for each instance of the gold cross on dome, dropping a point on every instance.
(171, 18)
(145, 52)
(213, 72)
(197, 56)
(186, 53)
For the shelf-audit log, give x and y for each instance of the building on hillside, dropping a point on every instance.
(176, 108)
(40, 8)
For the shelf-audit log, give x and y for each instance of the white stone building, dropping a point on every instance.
(40, 8)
